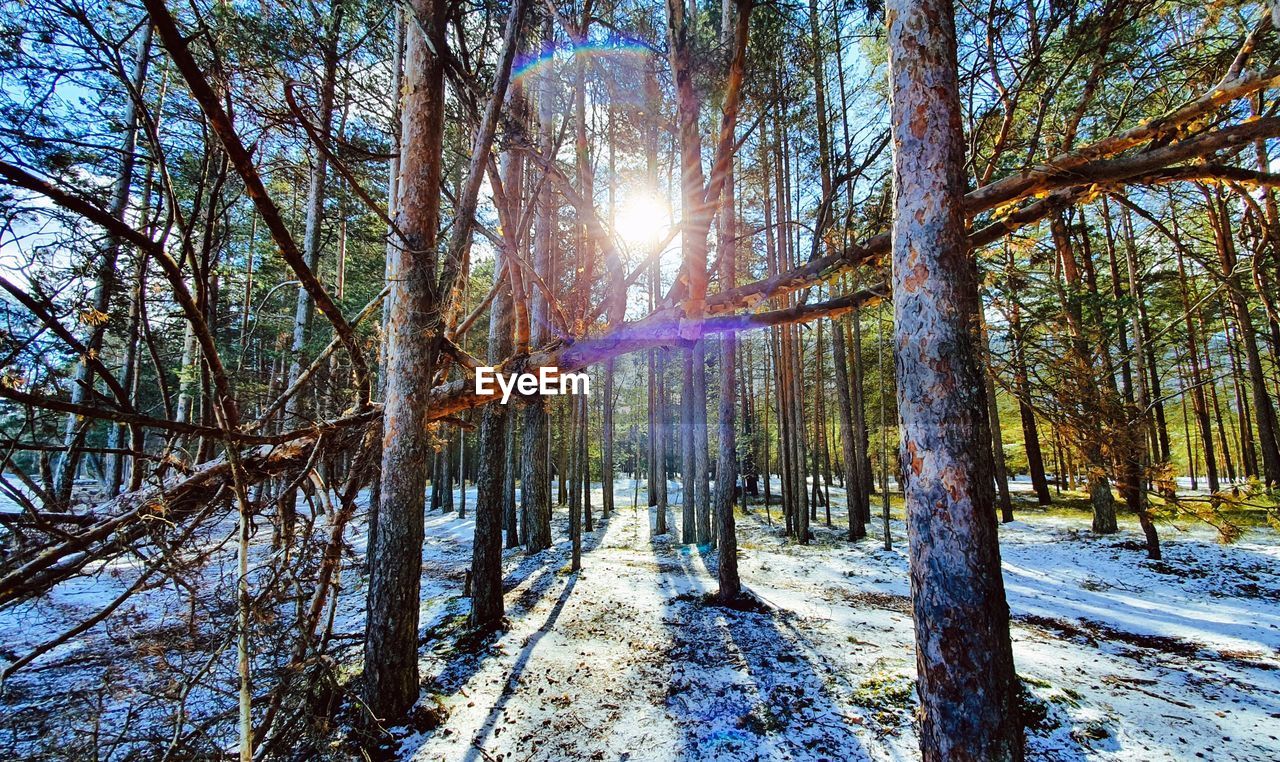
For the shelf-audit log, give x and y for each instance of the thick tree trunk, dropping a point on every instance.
(391, 631)
(968, 690)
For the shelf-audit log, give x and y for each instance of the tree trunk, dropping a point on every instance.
(304, 310)
(852, 482)
(391, 632)
(1003, 499)
(1138, 452)
(1100, 497)
(1264, 411)
(967, 686)
(535, 476)
(575, 485)
(730, 586)
(1030, 433)
(486, 552)
(858, 400)
(105, 277)
(1199, 402)
(305, 307)
(510, 516)
(701, 464)
(688, 492)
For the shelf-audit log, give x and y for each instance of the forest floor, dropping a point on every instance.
(1121, 657)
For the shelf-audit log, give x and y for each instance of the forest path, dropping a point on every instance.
(627, 661)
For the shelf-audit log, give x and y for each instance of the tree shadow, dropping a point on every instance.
(526, 601)
(474, 752)
(467, 652)
(742, 681)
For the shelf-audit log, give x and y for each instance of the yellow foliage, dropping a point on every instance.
(93, 318)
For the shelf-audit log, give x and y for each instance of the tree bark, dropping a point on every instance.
(486, 556)
(688, 492)
(730, 586)
(391, 630)
(968, 690)
(535, 476)
(852, 482)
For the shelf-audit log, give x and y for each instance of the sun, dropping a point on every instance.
(642, 219)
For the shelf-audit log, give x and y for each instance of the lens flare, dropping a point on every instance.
(641, 220)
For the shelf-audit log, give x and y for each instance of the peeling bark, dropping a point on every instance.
(967, 687)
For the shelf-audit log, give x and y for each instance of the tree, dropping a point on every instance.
(391, 629)
(967, 687)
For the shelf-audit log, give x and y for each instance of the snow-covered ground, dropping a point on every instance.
(1123, 658)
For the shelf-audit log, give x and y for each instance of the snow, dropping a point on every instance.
(1124, 658)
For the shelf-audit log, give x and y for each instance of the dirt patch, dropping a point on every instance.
(871, 599)
(1094, 632)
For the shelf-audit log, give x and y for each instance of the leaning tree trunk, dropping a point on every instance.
(395, 568)
(1264, 411)
(968, 690)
